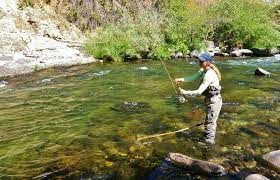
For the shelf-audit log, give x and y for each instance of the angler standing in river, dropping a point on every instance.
(210, 88)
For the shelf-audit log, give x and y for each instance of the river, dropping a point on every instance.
(71, 122)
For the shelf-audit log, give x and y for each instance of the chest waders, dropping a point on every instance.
(213, 103)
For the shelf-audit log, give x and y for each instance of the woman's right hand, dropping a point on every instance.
(178, 80)
(182, 91)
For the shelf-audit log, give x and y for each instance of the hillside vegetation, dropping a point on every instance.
(124, 30)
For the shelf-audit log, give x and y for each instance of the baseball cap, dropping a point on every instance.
(205, 57)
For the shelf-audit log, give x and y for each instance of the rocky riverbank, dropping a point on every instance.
(215, 50)
(36, 38)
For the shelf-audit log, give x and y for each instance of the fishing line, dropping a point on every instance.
(168, 133)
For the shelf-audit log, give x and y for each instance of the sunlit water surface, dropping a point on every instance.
(70, 122)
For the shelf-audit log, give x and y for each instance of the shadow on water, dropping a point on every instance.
(82, 122)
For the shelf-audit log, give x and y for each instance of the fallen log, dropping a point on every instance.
(196, 166)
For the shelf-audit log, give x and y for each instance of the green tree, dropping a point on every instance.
(188, 24)
(245, 23)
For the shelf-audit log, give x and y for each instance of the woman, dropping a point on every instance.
(210, 88)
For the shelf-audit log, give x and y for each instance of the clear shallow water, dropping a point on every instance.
(63, 122)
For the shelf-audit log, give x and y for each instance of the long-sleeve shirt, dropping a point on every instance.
(210, 79)
(197, 75)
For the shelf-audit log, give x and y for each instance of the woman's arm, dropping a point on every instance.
(194, 77)
(203, 86)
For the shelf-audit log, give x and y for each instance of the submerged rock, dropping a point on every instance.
(167, 170)
(269, 127)
(231, 104)
(247, 131)
(256, 177)
(46, 80)
(102, 73)
(101, 176)
(262, 105)
(194, 54)
(131, 107)
(273, 158)
(3, 83)
(143, 68)
(196, 166)
(261, 72)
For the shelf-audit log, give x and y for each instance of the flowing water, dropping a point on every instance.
(82, 121)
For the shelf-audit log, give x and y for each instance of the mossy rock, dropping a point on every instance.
(132, 107)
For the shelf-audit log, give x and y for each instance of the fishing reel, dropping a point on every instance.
(182, 99)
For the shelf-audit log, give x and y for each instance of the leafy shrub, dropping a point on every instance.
(185, 25)
(161, 52)
(245, 23)
(130, 37)
(109, 43)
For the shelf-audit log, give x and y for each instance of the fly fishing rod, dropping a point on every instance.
(171, 80)
(181, 98)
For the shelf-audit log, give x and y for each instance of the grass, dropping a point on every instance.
(22, 4)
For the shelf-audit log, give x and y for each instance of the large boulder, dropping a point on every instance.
(177, 55)
(166, 170)
(8, 6)
(43, 43)
(196, 166)
(256, 177)
(213, 50)
(37, 38)
(273, 158)
(210, 47)
(265, 52)
(194, 54)
(241, 52)
(274, 51)
(260, 52)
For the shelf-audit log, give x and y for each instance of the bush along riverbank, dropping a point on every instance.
(178, 29)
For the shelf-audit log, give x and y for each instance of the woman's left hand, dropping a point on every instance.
(178, 80)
